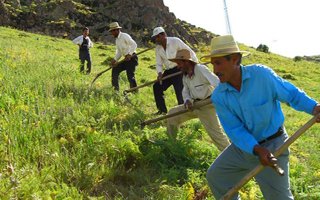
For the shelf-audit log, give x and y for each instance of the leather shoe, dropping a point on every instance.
(160, 113)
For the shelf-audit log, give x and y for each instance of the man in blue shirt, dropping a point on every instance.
(247, 102)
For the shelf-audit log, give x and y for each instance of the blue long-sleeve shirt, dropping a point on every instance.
(254, 113)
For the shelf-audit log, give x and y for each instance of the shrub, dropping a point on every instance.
(263, 48)
(297, 58)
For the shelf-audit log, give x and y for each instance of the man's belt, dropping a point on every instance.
(170, 68)
(203, 98)
(277, 134)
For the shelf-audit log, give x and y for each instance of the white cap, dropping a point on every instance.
(157, 30)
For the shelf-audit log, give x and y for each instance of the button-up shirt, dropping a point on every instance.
(125, 45)
(254, 113)
(200, 85)
(173, 45)
(79, 40)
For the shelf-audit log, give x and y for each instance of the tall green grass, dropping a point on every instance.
(61, 139)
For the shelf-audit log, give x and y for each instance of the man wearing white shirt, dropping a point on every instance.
(126, 47)
(198, 84)
(166, 48)
(84, 43)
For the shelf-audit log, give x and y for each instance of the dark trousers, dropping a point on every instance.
(130, 68)
(85, 56)
(158, 89)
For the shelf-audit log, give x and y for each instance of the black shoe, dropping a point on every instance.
(116, 88)
(135, 91)
(160, 113)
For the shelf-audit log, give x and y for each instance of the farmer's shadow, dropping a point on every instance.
(78, 93)
(177, 162)
(173, 158)
(159, 163)
(164, 163)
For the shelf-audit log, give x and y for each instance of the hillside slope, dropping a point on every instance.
(65, 18)
(62, 139)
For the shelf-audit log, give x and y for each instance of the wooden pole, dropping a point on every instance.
(121, 61)
(154, 81)
(151, 82)
(195, 106)
(278, 152)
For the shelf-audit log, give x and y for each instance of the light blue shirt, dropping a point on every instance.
(254, 113)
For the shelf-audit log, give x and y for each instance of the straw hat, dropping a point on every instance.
(183, 54)
(157, 31)
(113, 26)
(222, 46)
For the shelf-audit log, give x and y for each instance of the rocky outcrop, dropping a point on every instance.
(65, 18)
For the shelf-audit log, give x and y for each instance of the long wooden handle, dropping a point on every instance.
(121, 61)
(151, 82)
(99, 74)
(195, 106)
(278, 152)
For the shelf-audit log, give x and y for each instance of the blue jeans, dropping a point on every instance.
(233, 164)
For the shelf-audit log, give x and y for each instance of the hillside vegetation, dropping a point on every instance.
(66, 18)
(61, 139)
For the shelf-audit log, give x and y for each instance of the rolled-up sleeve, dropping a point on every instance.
(132, 45)
(288, 93)
(90, 43)
(185, 91)
(78, 40)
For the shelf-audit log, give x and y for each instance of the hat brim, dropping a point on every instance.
(175, 60)
(154, 35)
(115, 28)
(207, 58)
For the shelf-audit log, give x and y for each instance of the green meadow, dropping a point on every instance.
(62, 139)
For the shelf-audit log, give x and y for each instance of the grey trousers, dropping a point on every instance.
(233, 164)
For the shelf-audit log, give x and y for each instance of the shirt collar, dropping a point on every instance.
(192, 74)
(119, 35)
(245, 75)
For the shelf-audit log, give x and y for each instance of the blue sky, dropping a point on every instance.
(288, 27)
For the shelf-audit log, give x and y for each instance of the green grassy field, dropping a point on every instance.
(61, 139)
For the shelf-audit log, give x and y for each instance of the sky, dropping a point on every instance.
(288, 27)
